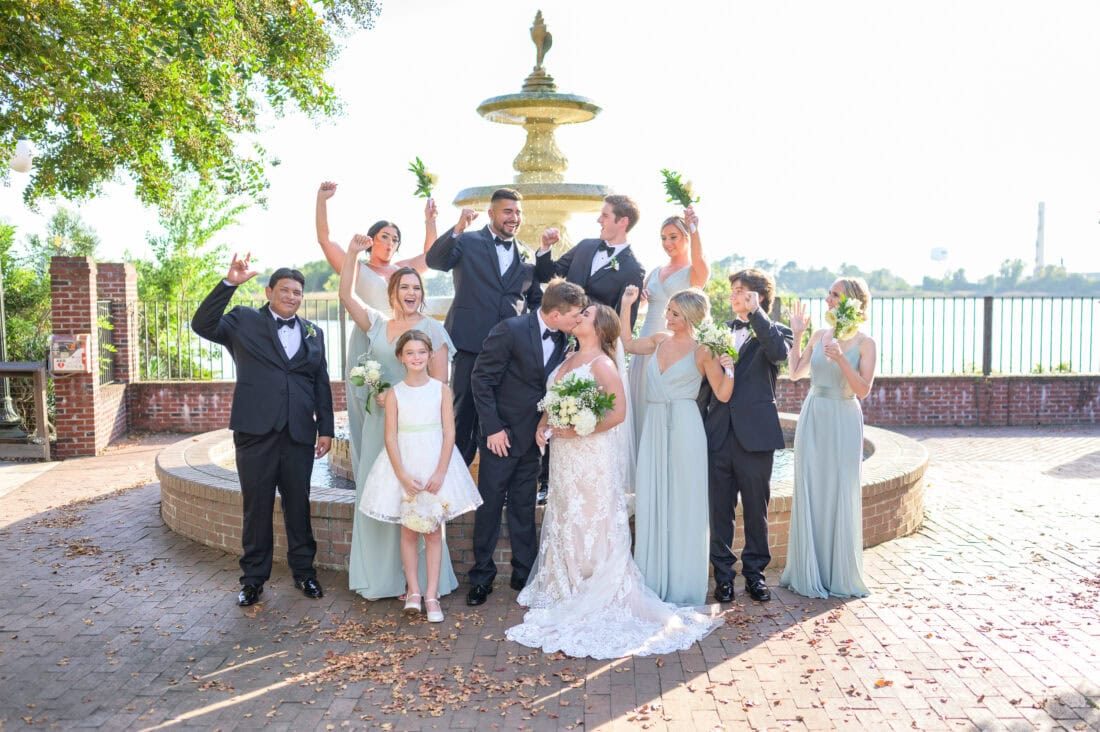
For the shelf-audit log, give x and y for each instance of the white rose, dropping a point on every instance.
(585, 422)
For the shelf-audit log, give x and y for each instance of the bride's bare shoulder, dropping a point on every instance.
(604, 368)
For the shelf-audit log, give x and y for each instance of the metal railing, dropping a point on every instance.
(105, 324)
(915, 336)
(171, 351)
(981, 335)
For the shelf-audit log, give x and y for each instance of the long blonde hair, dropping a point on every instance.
(693, 303)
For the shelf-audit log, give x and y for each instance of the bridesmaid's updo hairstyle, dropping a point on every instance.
(855, 288)
(605, 321)
(378, 226)
(678, 222)
(412, 335)
(395, 282)
(693, 303)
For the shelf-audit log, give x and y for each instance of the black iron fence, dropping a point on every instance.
(915, 336)
(105, 324)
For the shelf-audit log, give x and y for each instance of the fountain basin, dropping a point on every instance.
(523, 107)
(200, 499)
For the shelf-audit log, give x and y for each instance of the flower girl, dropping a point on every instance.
(405, 485)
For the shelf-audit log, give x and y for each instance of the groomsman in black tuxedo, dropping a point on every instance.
(281, 417)
(508, 380)
(743, 435)
(492, 282)
(604, 267)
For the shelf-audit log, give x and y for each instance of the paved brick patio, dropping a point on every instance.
(985, 619)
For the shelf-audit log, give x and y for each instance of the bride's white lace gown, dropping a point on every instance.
(586, 595)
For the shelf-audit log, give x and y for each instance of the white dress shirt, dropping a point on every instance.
(741, 335)
(602, 257)
(291, 338)
(548, 344)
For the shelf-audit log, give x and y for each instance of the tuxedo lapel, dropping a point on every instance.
(584, 261)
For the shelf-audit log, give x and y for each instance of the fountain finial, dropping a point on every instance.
(539, 80)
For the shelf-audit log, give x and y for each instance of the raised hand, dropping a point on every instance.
(630, 294)
(550, 237)
(360, 243)
(239, 273)
(800, 318)
(326, 191)
(691, 219)
(464, 219)
(752, 298)
(430, 210)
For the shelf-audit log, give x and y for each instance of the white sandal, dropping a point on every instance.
(412, 604)
(434, 616)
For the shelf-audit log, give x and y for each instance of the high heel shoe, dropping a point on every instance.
(412, 604)
(434, 616)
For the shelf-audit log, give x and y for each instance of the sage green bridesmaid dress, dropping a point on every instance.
(825, 546)
(672, 532)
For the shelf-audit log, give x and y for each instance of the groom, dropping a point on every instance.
(281, 417)
(604, 267)
(743, 435)
(508, 380)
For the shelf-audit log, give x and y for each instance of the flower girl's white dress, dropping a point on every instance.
(420, 440)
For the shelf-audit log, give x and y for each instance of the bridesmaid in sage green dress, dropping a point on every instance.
(685, 268)
(825, 546)
(672, 537)
(374, 564)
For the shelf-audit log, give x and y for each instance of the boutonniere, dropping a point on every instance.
(310, 330)
(523, 255)
(570, 344)
(614, 263)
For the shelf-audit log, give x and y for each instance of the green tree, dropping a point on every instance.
(1009, 276)
(159, 86)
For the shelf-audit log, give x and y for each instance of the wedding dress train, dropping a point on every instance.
(586, 595)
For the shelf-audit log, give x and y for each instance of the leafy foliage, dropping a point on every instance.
(154, 87)
(678, 191)
(425, 180)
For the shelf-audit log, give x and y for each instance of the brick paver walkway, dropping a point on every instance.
(985, 619)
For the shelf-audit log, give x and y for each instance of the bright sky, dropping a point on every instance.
(869, 132)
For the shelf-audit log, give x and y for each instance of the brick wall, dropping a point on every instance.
(72, 312)
(166, 406)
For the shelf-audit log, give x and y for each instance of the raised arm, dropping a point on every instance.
(774, 338)
(420, 261)
(546, 267)
(349, 273)
(210, 320)
(700, 270)
(638, 346)
(799, 360)
(446, 252)
(334, 253)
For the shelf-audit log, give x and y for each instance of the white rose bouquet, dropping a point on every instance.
(577, 403)
(845, 318)
(368, 376)
(423, 513)
(717, 338)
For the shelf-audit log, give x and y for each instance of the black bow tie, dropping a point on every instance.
(506, 243)
(605, 247)
(548, 335)
(739, 324)
(288, 323)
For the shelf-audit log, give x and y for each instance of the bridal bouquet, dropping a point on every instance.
(425, 181)
(422, 513)
(368, 374)
(717, 338)
(844, 318)
(577, 403)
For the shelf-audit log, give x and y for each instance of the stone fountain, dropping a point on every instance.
(548, 201)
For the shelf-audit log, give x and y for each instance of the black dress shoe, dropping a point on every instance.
(478, 594)
(309, 587)
(249, 595)
(723, 592)
(516, 583)
(540, 497)
(758, 590)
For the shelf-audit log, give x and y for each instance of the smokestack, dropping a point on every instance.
(1039, 241)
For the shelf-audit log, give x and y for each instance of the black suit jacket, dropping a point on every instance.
(272, 390)
(509, 379)
(751, 412)
(482, 297)
(606, 285)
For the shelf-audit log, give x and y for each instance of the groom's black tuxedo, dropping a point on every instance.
(280, 405)
(483, 297)
(607, 284)
(742, 437)
(508, 380)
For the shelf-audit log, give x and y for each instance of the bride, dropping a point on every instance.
(586, 595)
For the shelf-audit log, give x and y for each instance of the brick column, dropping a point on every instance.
(73, 295)
(118, 283)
